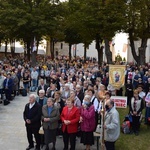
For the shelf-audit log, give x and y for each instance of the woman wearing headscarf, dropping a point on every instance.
(50, 117)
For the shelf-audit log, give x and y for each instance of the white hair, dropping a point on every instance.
(42, 91)
(33, 95)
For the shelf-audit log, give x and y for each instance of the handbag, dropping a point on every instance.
(98, 128)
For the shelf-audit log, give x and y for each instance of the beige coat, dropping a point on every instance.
(54, 117)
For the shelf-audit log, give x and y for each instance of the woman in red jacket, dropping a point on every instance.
(70, 118)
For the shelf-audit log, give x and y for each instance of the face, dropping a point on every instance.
(31, 99)
(90, 93)
(102, 88)
(56, 96)
(49, 103)
(41, 94)
(69, 104)
(42, 82)
(107, 96)
(78, 89)
(72, 94)
(136, 94)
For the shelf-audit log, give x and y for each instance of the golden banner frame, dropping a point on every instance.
(117, 75)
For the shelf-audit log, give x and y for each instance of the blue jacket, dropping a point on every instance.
(10, 84)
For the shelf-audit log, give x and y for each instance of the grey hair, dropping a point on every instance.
(52, 99)
(33, 95)
(88, 97)
(42, 91)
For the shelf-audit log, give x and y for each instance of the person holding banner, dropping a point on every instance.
(111, 125)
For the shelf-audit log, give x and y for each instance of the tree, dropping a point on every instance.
(138, 27)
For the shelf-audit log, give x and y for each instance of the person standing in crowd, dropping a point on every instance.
(60, 104)
(2, 78)
(34, 78)
(32, 117)
(77, 101)
(15, 81)
(50, 117)
(8, 86)
(135, 79)
(42, 73)
(111, 125)
(141, 93)
(65, 92)
(26, 81)
(87, 121)
(42, 86)
(51, 90)
(135, 108)
(129, 91)
(95, 103)
(47, 76)
(147, 112)
(79, 92)
(70, 118)
(41, 99)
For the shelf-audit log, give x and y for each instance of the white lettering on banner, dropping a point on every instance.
(120, 101)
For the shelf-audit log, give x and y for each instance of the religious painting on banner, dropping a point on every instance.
(117, 76)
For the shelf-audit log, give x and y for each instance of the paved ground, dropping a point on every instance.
(12, 129)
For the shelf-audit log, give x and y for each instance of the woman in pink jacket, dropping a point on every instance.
(87, 121)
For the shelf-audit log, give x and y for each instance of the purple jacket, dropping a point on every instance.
(88, 116)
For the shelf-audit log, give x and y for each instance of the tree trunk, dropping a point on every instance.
(85, 52)
(108, 52)
(142, 51)
(135, 56)
(6, 48)
(52, 47)
(28, 50)
(99, 50)
(70, 51)
(12, 47)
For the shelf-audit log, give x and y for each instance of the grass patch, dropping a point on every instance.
(132, 142)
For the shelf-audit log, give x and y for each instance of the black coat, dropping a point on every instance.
(40, 87)
(33, 114)
(80, 96)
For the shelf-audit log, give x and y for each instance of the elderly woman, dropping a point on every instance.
(136, 106)
(70, 117)
(50, 117)
(60, 104)
(87, 120)
(66, 92)
(77, 101)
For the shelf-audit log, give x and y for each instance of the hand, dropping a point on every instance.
(105, 127)
(28, 121)
(66, 122)
(81, 119)
(84, 106)
(46, 119)
(135, 113)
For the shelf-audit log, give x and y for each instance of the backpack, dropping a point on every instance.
(125, 127)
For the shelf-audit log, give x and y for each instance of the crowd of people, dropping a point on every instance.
(69, 97)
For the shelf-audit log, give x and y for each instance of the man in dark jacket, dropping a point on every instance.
(8, 86)
(32, 117)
